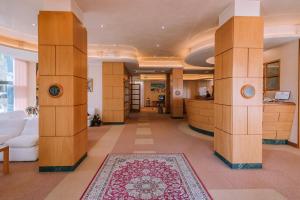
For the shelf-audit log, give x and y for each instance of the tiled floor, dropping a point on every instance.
(279, 178)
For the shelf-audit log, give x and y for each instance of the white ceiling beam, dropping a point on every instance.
(240, 8)
(63, 5)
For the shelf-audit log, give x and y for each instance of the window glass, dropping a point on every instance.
(6, 83)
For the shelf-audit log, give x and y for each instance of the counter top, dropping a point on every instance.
(279, 102)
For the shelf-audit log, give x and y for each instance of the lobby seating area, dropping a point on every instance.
(21, 134)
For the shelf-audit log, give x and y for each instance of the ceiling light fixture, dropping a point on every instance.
(210, 60)
(101, 26)
(163, 27)
(157, 45)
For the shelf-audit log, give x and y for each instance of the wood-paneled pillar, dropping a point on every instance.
(239, 92)
(62, 91)
(176, 91)
(167, 98)
(114, 76)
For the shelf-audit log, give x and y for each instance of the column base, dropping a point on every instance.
(205, 132)
(62, 168)
(276, 142)
(239, 165)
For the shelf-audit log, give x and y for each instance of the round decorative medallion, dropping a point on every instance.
(55, 90)
(177, 92)
(248, 91)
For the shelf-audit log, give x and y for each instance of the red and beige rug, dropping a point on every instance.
(146, 176)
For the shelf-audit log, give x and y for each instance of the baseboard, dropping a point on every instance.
(239, 165)
(293, 144)
(62, 168)
(205, 132)
(275, 142)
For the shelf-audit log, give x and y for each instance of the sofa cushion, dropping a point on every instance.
(23, 141)
(13, 115)
(31, 127)
(11, 127)
(4, 138)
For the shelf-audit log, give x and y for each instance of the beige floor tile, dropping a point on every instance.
(246, 194)
(143, 131)
(144, 124)
(141, 141)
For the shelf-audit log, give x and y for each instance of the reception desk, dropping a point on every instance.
(200, 115)
(277, 119)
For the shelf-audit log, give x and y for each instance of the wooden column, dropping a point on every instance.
(167, 98)
(239, 92)
(176, 91)
(62, 91)
(113, 79)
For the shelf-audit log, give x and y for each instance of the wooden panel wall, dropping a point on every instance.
(239, 61)
(62, 61)
(113, 81)
(176, 88)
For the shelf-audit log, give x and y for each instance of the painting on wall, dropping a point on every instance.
(90, 85)
(158, 87)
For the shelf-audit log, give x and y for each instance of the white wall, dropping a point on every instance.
(95, 97)
(288, 56)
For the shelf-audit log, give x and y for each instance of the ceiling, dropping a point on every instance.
(153, 28)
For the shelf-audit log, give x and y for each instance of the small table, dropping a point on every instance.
(5, 150)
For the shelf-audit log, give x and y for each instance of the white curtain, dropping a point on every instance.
(20, 85)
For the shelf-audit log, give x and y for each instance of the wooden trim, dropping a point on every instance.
(293, 144)
(18, 44)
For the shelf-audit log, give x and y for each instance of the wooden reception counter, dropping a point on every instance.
(200, 114)
(277, 119)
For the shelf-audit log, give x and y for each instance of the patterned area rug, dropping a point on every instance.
(146, 176)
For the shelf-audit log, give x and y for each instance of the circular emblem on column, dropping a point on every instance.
(55, 90)
(248, 91)
(177, 92)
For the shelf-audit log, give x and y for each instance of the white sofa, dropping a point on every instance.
(20, 134)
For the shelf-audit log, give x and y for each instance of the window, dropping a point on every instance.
(6, 83)
(272, 76)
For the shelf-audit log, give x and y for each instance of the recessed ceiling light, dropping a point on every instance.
(163, 27)
(211, 60)
(102, 26)
(33, 24)
(157, 45)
